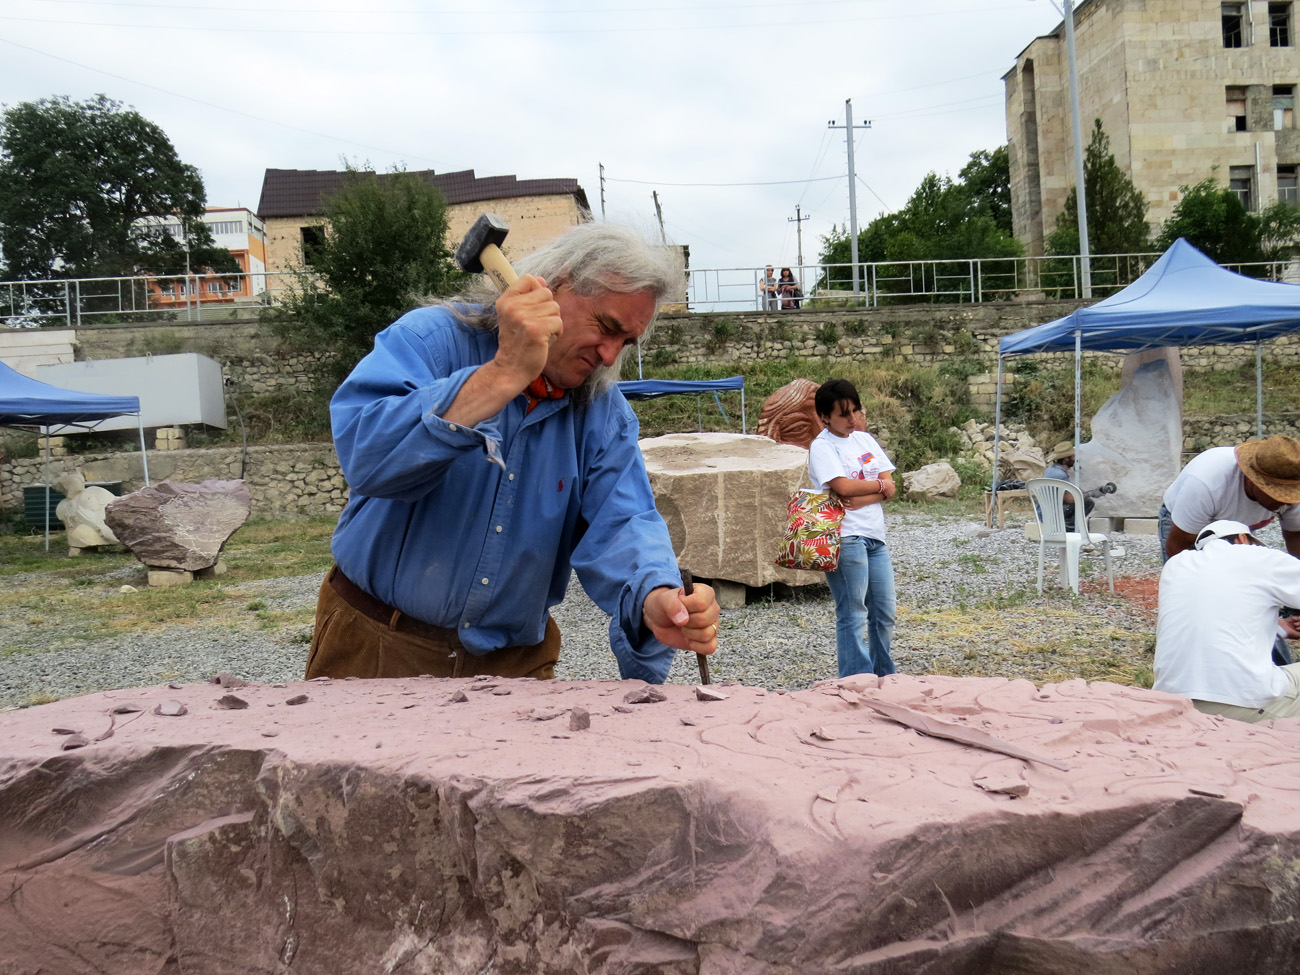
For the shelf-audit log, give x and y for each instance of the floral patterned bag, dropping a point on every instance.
(812, 532)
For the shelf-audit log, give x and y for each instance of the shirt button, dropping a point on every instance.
(451, 426)
(485, 582)
(465, 625)
(498, 528)
(512, 477)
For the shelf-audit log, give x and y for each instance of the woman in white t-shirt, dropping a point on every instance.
(847, 460)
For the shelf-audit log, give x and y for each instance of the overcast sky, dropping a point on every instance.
(722, 107)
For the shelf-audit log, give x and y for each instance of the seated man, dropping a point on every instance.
(1061, 467)
(1217, 622)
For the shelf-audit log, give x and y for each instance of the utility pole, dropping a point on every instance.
(660, 214)
(602, 190)
(1081, 196)
(848, 127)
(798, 220)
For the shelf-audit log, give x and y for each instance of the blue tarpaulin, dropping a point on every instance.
(652, 388)
(32, 404)
(1184, 298)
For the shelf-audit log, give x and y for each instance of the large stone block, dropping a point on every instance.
(173, 525)
(724, 497)
(545, 827)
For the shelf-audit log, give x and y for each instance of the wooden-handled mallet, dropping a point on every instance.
(480, 251)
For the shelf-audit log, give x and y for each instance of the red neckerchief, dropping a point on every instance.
(540, 389)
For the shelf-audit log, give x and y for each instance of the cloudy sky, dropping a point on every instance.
(719, 106)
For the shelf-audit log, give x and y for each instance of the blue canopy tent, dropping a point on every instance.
(652, 388)
(1184, 298)
(33, 405)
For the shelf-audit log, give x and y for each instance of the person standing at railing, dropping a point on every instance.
(767, 289)
(788, 287)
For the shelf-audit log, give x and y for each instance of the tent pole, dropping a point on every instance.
(1078, 406)
(144, 457)
(1259, 390)
(742, 408)
(47, 488)
(997, 439)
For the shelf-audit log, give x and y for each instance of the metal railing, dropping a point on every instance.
(212, 297)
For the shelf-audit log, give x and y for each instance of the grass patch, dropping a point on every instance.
(50, 600)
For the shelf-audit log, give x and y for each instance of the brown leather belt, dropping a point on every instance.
(394, 619)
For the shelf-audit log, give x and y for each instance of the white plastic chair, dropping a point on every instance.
(1048, 494)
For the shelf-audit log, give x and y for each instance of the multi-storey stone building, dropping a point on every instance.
(1185, 89)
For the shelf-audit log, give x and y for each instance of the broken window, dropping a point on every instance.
(312, 239)
(1236, 103)
(1279, 24)
(1284, 106)
(1287, 190)
(1234, 24)
(1241, 180)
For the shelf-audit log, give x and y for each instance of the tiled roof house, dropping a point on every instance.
(536, 209)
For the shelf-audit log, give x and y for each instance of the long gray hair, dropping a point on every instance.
(592, 258)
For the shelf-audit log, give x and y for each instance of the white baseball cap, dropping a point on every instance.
(1221, 529)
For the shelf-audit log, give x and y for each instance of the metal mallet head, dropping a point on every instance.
(480, 251)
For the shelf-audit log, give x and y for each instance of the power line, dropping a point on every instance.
(774, 182)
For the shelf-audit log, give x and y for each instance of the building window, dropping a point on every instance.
(1234, 24)
(1279, 24)
(1284, 106)
(1241, 180)
(226, 227)
(312, 239)
(1236, 102)
(1287, 190)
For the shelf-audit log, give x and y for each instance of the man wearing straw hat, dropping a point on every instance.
(1218, 624)
(1061, 467)
(1251, 483)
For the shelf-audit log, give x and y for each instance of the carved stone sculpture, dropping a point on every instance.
(1137, 437)
(82, 512)
(178, 526)
(462, 826)
(788, 415)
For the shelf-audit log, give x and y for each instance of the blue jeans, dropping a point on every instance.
(863, 587)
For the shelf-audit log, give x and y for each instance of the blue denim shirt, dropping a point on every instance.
(476, 529)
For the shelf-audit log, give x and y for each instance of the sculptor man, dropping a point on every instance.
(489, 452)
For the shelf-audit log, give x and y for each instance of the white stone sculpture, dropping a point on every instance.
(1137, 437)
(82, 512)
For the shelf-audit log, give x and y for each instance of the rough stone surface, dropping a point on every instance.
(724, 497)
(790, 416)
(82, 511)
(931, 481)
(180, 526)
(1137, 437)
(376, 827)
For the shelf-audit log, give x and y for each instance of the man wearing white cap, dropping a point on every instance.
(1218, 620)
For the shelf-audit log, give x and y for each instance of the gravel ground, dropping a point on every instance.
(967, 605)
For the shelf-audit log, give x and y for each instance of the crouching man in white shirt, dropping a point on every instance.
(1217, 622)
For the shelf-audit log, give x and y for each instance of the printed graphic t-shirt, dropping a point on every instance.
(860, 458)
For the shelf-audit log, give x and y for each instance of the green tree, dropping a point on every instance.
(988, 177)
(384, 252)
(943, 220)
(1117, 213)
(75, 180)
(1212, 219)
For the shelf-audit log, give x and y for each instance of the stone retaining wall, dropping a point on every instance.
(305, 479)
(286, 481)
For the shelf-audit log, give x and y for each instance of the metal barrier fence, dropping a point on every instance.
(213, 297)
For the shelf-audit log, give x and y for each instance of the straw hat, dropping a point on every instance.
(1273, 464)
(1063, 449)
